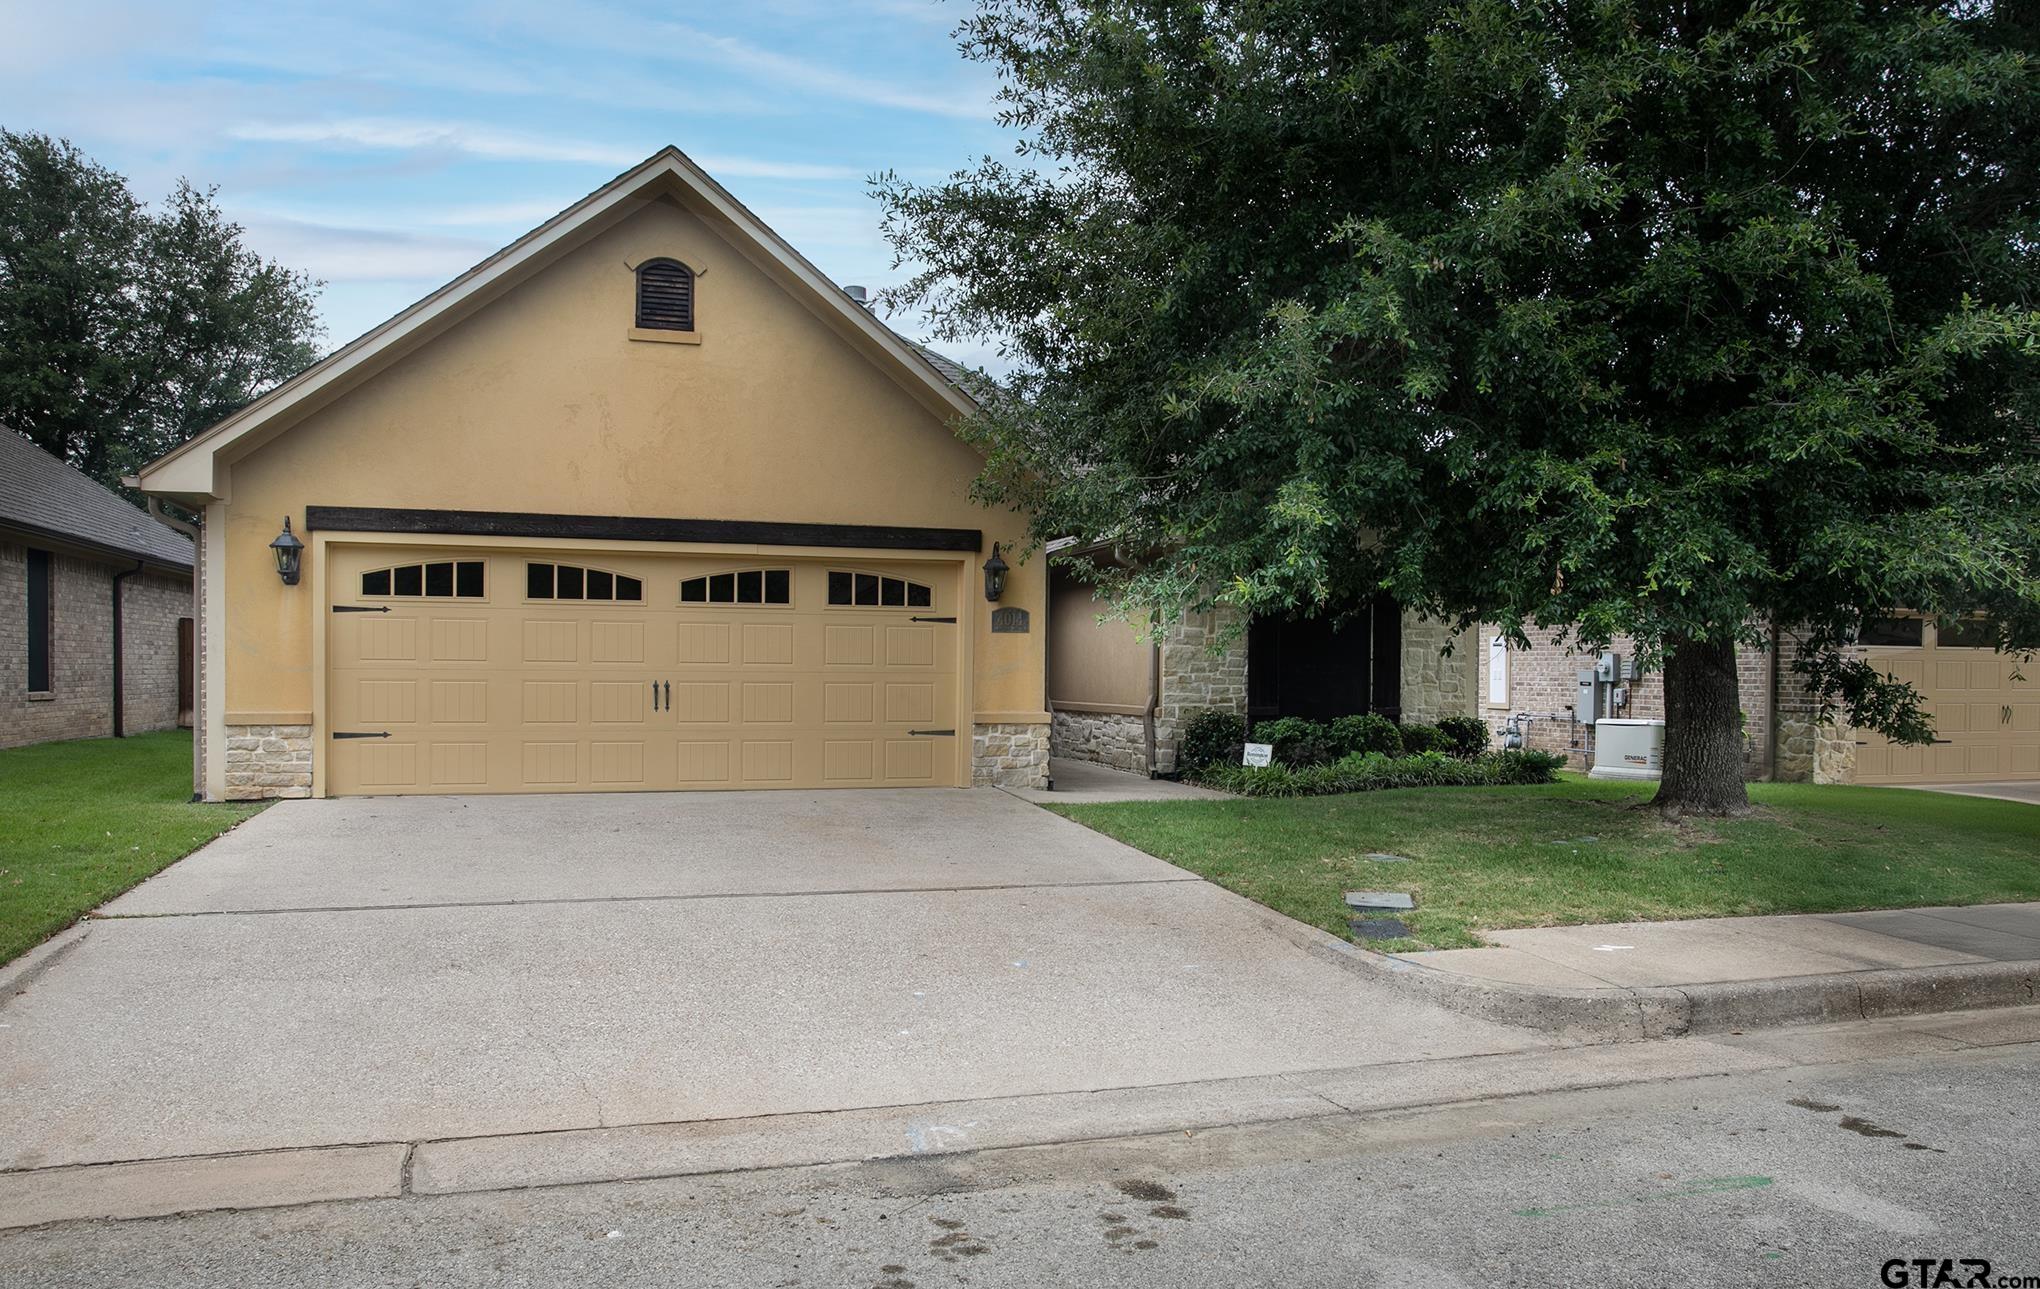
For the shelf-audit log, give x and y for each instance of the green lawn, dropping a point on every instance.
(80, 822)
(1577, 851)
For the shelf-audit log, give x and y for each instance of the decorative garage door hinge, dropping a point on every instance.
(949, 732)
(920, 619)
(355, 734)
(361, 608)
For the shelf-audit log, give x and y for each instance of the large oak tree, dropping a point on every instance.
(124, 330)
(1673, 320)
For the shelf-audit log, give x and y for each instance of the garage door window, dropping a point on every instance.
(441, 579)
(575, 582)
(1968, 633)
(1892, 632)
(746, 586)
(874, 590)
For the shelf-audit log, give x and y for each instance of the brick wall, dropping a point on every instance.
(1811, 747)
(1545, 678)
(79, 703)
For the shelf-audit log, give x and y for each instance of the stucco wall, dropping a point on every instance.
(1094, 662)
(79, 703)
(540, 401)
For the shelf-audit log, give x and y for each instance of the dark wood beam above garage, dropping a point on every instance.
(630, 528)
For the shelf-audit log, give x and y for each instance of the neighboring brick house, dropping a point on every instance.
(82, 568)
(1120, 698)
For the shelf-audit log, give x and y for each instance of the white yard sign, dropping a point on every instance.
(1258, 754)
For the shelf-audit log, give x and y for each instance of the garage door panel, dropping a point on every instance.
(1984, 723)
(500, 693)
(460, 702)
(463, 765)
(616, 642)
(460, 640)
(552, 640)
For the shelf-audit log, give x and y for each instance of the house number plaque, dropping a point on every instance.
(1009, 621)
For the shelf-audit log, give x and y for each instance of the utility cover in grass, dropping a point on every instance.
(1378, 928)
(1383, 857)
(1379, 900)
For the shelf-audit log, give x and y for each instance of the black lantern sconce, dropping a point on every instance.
(995, 576)
(290, 553)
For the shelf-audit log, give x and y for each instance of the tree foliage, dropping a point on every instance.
(1661, 319)
(126, 330)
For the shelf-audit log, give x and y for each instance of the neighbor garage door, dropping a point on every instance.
(1986, 713)
(484, 671)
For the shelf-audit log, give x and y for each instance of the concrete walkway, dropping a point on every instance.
(1084, 782)
(1642, 955)
(2025, 790)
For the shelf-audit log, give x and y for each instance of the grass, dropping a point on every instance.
(1578, 851)
(82, 821)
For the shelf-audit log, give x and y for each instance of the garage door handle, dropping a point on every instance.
(353, 734)
(655, 695)
(918, 619)
(361, 608)
(669, 695)
(950, 732)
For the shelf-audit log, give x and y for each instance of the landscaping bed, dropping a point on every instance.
(82, 821)
(1577, 851)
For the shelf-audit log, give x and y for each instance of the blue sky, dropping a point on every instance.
(386, 147)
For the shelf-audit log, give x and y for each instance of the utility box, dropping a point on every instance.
(1628, 749)
(1587, 707)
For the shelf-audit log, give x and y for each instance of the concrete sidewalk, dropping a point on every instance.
(1711, 950)
(1652, 979)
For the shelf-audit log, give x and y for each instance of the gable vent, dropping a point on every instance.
(665, 296)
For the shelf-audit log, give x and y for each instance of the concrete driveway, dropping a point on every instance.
(410, 970)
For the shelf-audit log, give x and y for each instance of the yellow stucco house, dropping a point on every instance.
(642, 502)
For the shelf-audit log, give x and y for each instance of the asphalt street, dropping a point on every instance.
(1816, 1175)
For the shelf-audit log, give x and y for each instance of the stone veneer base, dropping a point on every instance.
(264, 761)
(1111, 739)
(1009, 756)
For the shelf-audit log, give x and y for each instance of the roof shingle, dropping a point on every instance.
(38, 491)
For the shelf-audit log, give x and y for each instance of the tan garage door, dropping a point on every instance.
(479, 671)
(1986, 713)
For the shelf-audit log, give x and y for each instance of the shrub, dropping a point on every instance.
(1298, 742)
(1465, 736)
(1423, 738)
(1371, 771)
(1368, 733)
(1211, 737)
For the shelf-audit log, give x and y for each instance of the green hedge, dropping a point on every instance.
(1369, 772)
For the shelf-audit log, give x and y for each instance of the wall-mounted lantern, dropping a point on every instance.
(289, 552)
(995, 576)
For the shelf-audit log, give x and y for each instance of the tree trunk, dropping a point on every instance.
(1703, 732)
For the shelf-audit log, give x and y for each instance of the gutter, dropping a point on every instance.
(119, 686)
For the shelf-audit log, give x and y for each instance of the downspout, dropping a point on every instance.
(119, 688)
(1771, 725)
(1154, 702)
(197, 638)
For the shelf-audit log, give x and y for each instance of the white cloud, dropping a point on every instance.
(854, 86)
(336, 253)
(394, 134)
(401, 135)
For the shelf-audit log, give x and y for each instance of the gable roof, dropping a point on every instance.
(41, 495)
(190, 471)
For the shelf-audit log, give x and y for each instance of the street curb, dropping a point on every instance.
(1623, 1015)
(19, 974)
